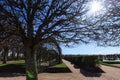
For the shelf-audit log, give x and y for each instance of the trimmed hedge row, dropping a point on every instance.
(87, 62)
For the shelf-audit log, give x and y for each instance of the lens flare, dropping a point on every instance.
(96, 7)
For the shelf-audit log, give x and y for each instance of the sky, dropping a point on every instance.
(90, 49)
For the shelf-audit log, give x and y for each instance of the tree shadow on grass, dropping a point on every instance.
(58, 70)
(11, 74)
(12, 70)
(48, 69)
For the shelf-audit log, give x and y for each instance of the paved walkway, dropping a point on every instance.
(110, 74)
(71, 67)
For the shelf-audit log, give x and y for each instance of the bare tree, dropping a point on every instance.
(35, 21)
(5, 54)
(9, 43)
(48, 45)
(108, 30)
(52, 44)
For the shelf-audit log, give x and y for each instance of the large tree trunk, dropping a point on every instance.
(18, 53)
(5, 55)
(13, 54)
(59, 59)
(31, 64)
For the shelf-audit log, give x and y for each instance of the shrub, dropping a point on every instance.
(90, 61)
(87, 62)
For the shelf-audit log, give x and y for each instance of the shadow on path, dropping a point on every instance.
(89, 74)
(96, 73)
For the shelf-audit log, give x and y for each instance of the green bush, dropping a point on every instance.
(91, 61)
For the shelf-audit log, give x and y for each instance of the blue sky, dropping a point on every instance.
(84, 49)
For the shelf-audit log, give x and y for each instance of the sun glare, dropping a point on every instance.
(95, 7)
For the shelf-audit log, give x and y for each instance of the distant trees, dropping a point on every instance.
(10, 44)
(48, 50)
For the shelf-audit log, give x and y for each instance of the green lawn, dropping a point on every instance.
(111, 65)
(13, 67)
(111, 61)
(19, 67)
(62, 65)
(59, 68)
(21, 62)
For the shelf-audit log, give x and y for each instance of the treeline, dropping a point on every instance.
(8, 54)
(87, 62)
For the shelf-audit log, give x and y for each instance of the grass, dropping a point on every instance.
(14, 63)
(13, 67)
(59, 68)
(106, 64)
(61, 65)
(19, 67)
(111, 61)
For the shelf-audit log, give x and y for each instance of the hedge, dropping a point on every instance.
(87, 62)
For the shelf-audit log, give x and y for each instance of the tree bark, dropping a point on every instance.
(5, 55)
(31, 64)
(13, 54)
(18, 53)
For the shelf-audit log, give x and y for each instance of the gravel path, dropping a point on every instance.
(110, 74)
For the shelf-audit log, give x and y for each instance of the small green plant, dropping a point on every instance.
(30, 75)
